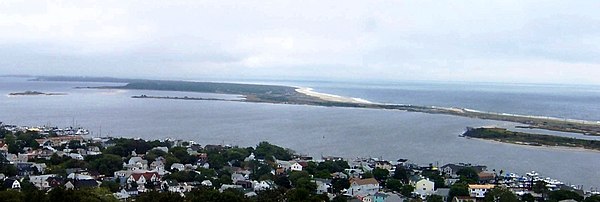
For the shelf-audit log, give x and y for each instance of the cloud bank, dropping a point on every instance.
(499, 41)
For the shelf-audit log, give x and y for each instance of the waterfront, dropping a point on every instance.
(424, 138)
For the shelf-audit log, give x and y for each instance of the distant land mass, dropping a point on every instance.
(294, 95)
(507, 136)
(35, 93)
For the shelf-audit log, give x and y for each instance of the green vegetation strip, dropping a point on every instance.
(504, 135)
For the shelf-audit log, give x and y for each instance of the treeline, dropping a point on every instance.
(504, 135)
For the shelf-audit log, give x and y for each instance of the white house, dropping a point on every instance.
(136, 163)
(286, 165)
(479, 190)
(363, 187)
(12, 183)
(178, 167)
(76, 156)
(424, 187)
(296, 167)
(207, 183)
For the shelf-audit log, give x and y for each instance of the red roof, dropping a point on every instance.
(147, 175)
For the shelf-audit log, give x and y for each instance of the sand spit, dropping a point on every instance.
(330, 97)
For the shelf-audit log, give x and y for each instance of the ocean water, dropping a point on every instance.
(312, 130)
(579, 102)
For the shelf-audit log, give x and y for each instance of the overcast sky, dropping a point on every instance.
(501, 41)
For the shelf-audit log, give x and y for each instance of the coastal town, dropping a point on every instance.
(49, 163)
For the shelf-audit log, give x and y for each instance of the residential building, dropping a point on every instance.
(363, 186)
(479, 190)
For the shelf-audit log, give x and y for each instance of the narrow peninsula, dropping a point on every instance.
(506, 136)
(305, 96)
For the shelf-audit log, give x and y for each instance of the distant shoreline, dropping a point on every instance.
(306, 96)
(32, 93)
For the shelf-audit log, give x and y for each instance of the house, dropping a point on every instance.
(341, 175)
(143, 177)
(443, 192)
(379, 197)
(136, 163)
(26, 169)
(479, 190)
(424, 187)
(178, 167)
(251, 157)
(60, 140)
(157, 165)
(79, 184)
(296, 167)
(164, 149)
(12, 184)
(263, 185)
(76, 156)
(363, 186)
(237, 177)
(229, 186)
(41, 181)
(17, 158)
(384, 165)
(3, 147)
(486, 177)
(323, 185)
(124, 194)
(207, 183)
(367, 198)
(55, 181)
(286, 165)
(452, 169)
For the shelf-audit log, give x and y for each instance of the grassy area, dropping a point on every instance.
(504, 135)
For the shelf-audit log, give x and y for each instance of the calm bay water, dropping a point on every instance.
(422, 138)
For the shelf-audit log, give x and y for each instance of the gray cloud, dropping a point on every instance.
(505, 41)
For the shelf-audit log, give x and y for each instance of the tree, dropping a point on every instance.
(11, 141)
(407, 190)
(500, 194)
(182, 154)
(270, 195)
(458, 189)
(74, 144)
(154, 196)
(265, 149)
(339, 184)
(298, 195)
(112, 186)
(539, 187)
(434, 198)
(436, 177)
(306, 183)
(401, 174)
(594, 198)
(380, 174)
(11, 196)
(468, 175)
(394, 184)
(106, 164)
(283, 181)
(560, 195)
(529, 198)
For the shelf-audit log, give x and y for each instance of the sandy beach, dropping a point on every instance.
(330, 97)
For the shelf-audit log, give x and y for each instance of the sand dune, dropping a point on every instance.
(330, 97)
